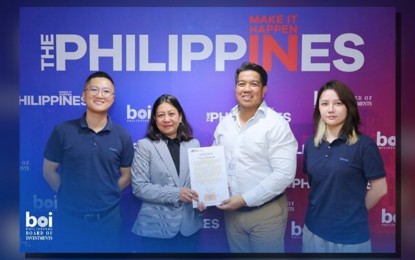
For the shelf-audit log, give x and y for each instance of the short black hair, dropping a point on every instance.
(255, 67)
(99, 74)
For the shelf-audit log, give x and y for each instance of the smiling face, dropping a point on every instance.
(249, 90)
(332, 110)
(168, 119)
(98, 95)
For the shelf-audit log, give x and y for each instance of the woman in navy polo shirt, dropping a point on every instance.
(340, 162)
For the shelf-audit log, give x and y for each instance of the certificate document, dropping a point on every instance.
(208, 174)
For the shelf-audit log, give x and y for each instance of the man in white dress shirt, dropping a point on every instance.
(261, 156)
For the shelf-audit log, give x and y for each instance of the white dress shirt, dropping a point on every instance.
(261, 155)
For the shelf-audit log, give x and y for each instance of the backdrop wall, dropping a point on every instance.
(193, 53)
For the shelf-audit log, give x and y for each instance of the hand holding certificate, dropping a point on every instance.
(208, 174)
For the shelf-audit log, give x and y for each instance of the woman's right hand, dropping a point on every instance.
(188, 195)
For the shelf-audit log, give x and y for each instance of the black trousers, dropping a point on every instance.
(78, 234)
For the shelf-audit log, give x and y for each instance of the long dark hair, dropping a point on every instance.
(351, 124)
(184, 131)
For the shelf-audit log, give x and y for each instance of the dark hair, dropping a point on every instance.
(184, 132)
(255, 67)
(351, 124)
(99, 74)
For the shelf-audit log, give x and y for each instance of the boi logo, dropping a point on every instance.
(388, 218)
(138, 114)
(383, 141)
(39, 203)
(42, 221)
(296, 230)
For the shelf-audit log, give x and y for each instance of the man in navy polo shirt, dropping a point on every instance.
(87, 163)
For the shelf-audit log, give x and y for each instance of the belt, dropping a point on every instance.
(92, 217)
(247, 208)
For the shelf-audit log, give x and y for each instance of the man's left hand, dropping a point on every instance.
(233, 203)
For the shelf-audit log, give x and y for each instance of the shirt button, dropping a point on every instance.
(329, 146)
(326, 155)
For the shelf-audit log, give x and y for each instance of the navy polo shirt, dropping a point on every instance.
(89, 164)
(338, 174)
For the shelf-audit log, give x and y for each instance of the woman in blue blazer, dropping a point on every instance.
(166, 222)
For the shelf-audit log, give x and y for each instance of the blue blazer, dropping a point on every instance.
(155, 181)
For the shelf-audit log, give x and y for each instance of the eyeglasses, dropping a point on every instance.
(106, 92)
